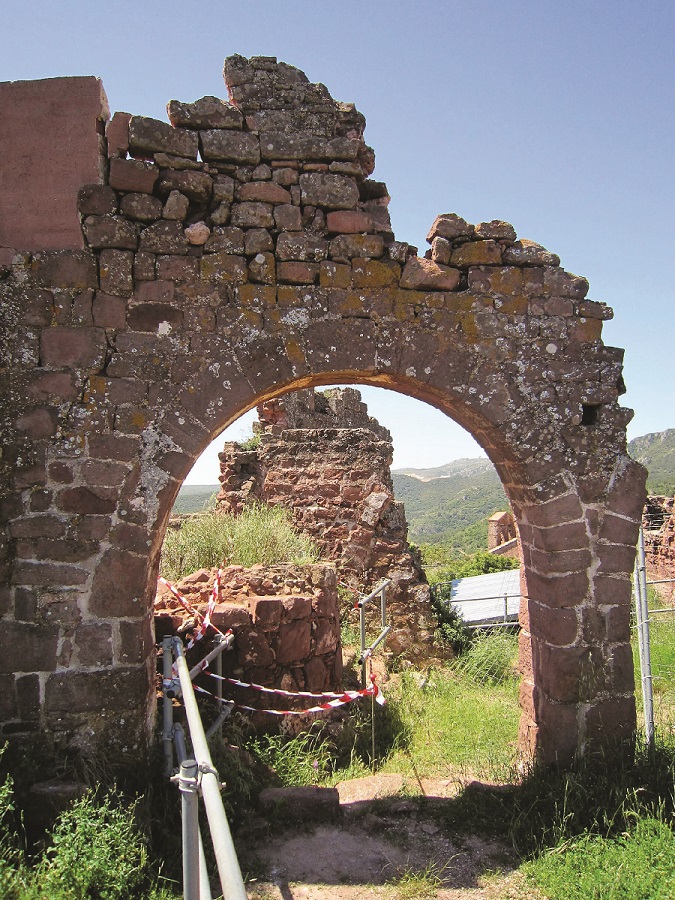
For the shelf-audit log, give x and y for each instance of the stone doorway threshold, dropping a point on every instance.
(379, 835)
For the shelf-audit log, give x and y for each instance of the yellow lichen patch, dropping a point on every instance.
(506, 280)
(295, 353)
(469, 326)
(333, 274)
(586, 330)
(256, 295)
(95, 388)
(375, 273)
(512, 306)
(288, 296)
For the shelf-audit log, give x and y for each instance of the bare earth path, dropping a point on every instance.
(380, 837)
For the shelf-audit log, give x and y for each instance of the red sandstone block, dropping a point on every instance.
(449, 226)
(49, 146)
(65, 269)
(196, 186)
(571, 536)
(293, 642)
(554, 626)
(610, 721)
(133, 175)
(477, 253)
(618, 622)
(557, 740)
(141, 207)
(87, 501)
(148, 135)
(288, 218)
(293, 272)
(560, 561)
(28, 648)
(615, 558)
(230, 146)
(96, 200)
(62, 347)
(48, 574)
(48, 526)
(109, 311)
(136, 642)
(569, 674)
(264, 192)
(219, 268)
(117, 134)
(555, 512)
(119, 585)
(350, 246)
(94, 644)
(113, 446)
(628, 493)
(423, 274)
(177, 269)
(107, 473)
(38, 424)
(328, 191)
(253, 649)
(558, 591)
(116, 272)
(105, 691)
(110, 231)
(164, 237)
(265, 611)
(348, 222)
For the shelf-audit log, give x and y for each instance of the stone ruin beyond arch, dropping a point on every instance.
(236, 254)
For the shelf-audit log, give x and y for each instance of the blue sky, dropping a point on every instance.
(557, 117)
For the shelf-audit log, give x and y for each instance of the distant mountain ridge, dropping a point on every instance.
(450, 504)
(656, 451)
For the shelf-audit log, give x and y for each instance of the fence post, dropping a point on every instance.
(187, 782)
(644, 649)
(167, 706)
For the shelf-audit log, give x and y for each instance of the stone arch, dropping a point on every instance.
(208, 285)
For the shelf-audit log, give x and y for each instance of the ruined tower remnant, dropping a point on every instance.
(325, 459)
(231, 256)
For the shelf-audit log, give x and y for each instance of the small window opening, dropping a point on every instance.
(589, 415)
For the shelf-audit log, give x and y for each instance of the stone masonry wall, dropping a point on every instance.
(335, 478)
(237, 254)
(285, 621)
(659, 535)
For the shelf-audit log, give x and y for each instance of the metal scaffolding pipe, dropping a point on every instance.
(642, 615)
(167, 707)
(231, 879)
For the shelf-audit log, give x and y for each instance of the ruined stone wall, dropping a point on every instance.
(327, 461)
(285, 621)
(658, 523)
(240, 253)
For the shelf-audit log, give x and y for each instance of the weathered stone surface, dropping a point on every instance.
(196, 186)
(176, 207)
(295, 146)
(230, 146)
(208, 112)
(133, 175)
(328, 191)
(424, 274)
(164, 237)
(301, 246)
(150, 136)
(252, 215)
(96, 200)
(110, 231)
(265, 191)
(349, 246)
(477, 253)
(141, 207)
(528, 253)
(198, 234)
(449, 226)
(496, 230)
(62, 347)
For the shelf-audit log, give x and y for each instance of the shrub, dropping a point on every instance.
(96, 851)
(260, 534)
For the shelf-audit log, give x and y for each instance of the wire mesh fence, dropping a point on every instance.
(654, 649)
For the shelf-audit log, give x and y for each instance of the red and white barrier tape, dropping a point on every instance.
(340, 700)
(281, 693)
(204, 621)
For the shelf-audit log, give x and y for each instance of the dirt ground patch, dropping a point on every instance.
(381, 847)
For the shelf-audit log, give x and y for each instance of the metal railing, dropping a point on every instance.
(500, 619)
(367, 651)
(197, 777)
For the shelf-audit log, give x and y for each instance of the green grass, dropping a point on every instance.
(454, 725)
(637, 865)
(260, 534)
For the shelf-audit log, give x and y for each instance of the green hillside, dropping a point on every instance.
(194, 498)
(657, 453)
(453, 508)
